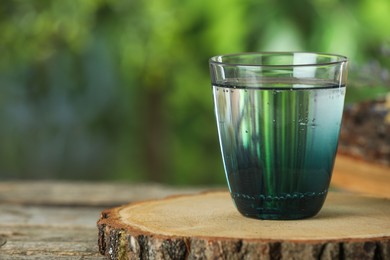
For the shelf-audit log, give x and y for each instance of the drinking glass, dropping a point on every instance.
(278, 117)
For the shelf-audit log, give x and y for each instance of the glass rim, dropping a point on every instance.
(341, 59)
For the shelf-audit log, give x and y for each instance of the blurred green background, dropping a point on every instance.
(120, 90)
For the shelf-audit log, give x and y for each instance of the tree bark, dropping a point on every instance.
(365, 131)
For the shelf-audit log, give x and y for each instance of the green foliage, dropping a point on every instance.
(116, 89)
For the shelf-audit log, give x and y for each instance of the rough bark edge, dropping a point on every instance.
(119, 244)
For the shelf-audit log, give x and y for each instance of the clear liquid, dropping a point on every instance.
(278, 146)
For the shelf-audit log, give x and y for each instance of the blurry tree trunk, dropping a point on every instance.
(365, 131)
(155, 137)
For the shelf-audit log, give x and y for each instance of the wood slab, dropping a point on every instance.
(356, 175)
(207, 226)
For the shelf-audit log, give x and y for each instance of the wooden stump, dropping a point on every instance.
(207, 226)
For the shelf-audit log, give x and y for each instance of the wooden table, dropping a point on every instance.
(57, 220)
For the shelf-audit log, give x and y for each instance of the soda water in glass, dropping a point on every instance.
(278, 118)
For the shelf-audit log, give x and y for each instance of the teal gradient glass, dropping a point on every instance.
(278, 118)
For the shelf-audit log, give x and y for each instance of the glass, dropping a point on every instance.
(278, 118)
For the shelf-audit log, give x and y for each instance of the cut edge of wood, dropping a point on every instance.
(117, 244)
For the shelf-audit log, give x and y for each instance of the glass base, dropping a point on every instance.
(285, 207)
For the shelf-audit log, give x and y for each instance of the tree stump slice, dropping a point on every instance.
(207, 226)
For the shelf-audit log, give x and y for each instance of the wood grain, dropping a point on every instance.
(80, 194)
(57, 220)
(208, 226)
(36, 232)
